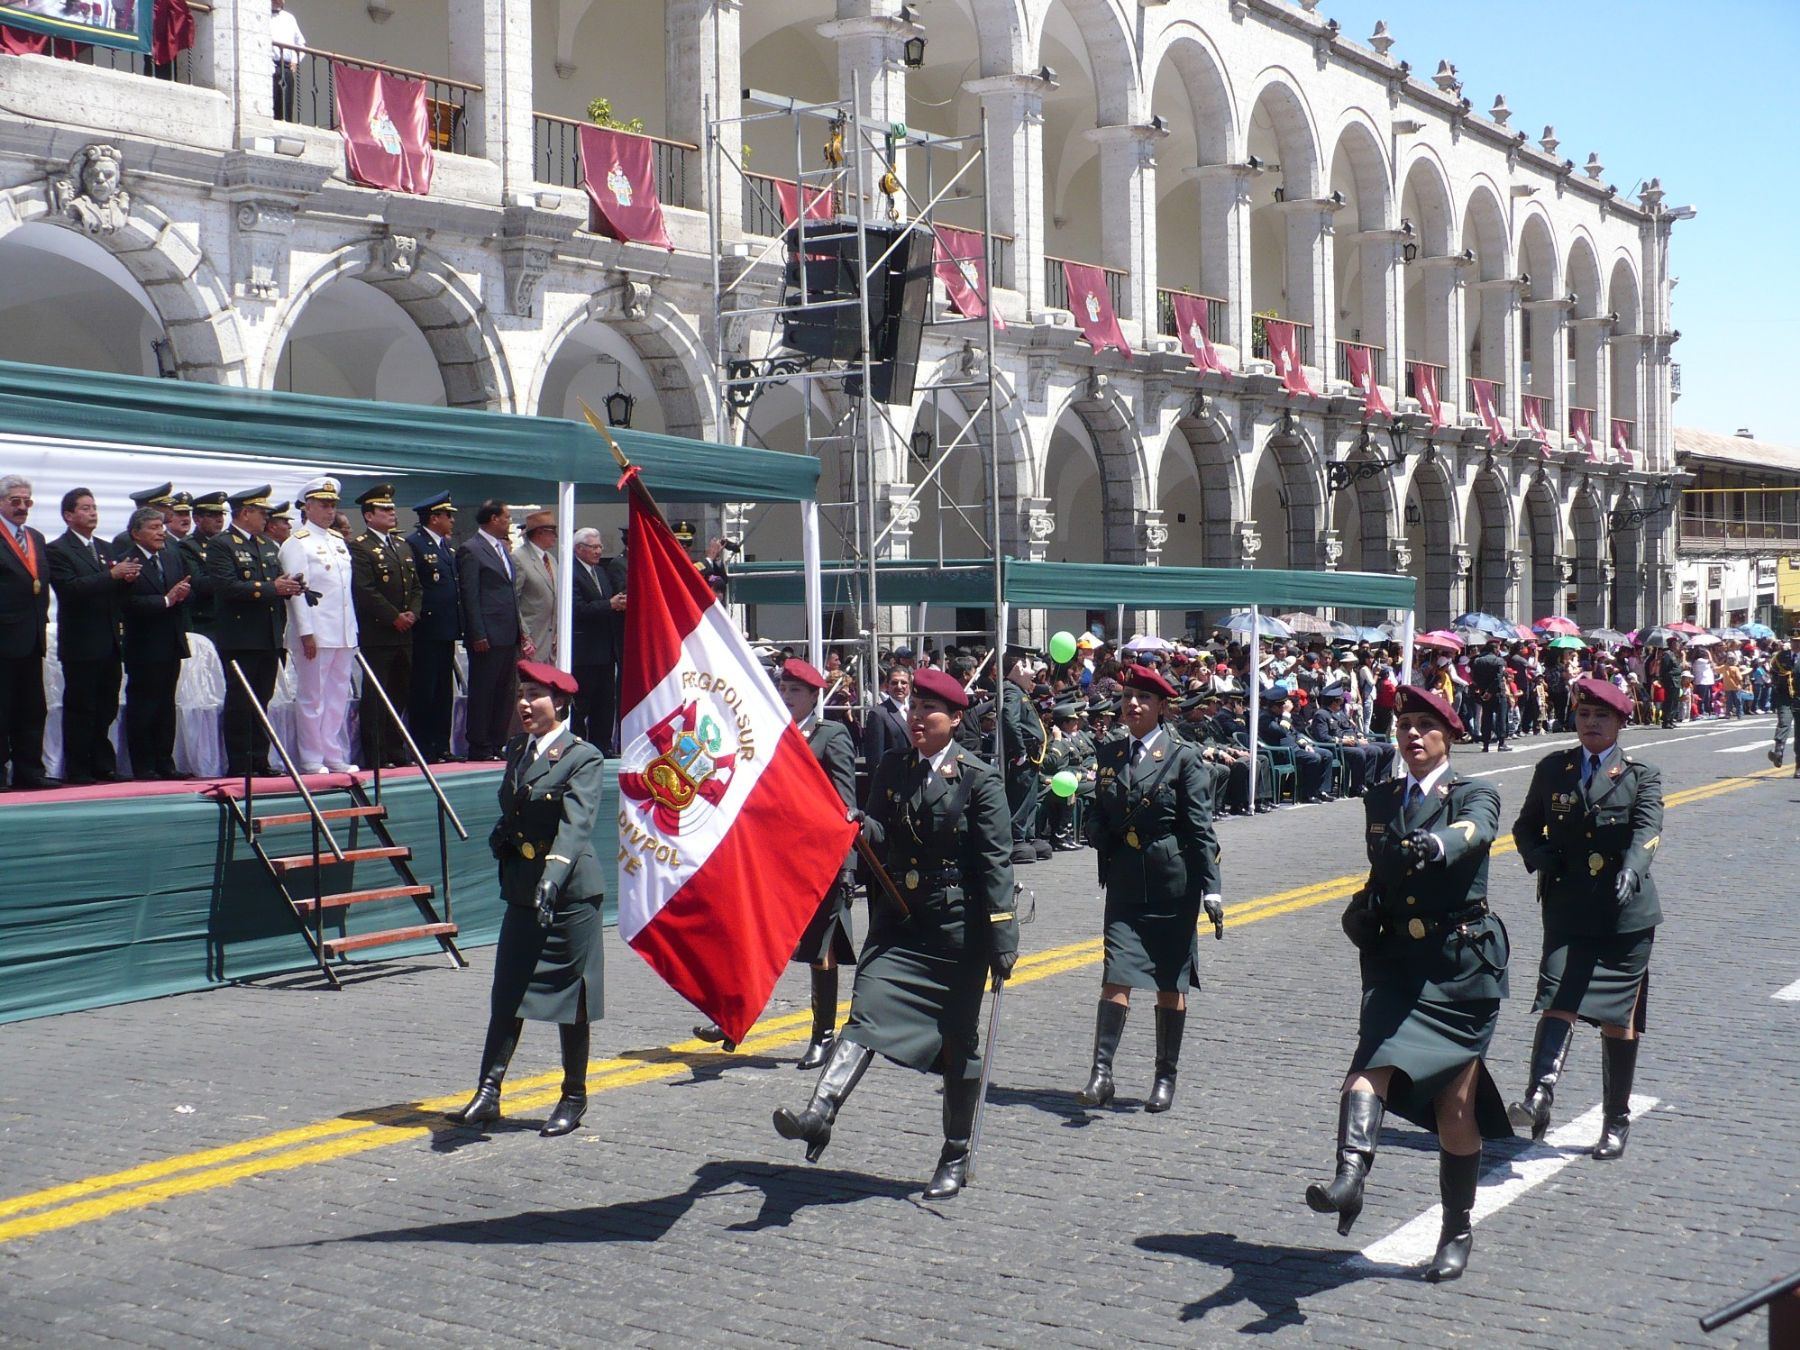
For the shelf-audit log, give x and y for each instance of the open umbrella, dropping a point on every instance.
(1555, 625)
(1704, 640)
(1656, 637)
(1605, 637)
(1759, 630)
(1566, 642)
(1524, 633)
(1471, 636)
(1143, 642)
(1440, 640)
(1487, 623)
(1302, 622)
(1268, 627)
(1682, 626)
(1731, 634)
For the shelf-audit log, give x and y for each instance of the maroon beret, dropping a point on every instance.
(942, 686)
(1410, 698)
(1604, 692)
(1148, 681)
(557, 681)
(802, 672)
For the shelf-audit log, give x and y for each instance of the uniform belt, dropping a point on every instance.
(1419, 929)
(531, 849)
(914, 879)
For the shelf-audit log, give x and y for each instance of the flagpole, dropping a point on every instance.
(630, 479)
(815, 618)
(1406, 656)
(565, 575)
(1255, 682)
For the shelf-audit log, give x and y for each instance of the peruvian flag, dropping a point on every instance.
(820, 203)
(961, 262)
(1092, 305)
(1484, 392)
(1284, 351)
(384, 123)
(1362, 375)
(1621, 438)
(729, 831)
(619, 171)
(1425, 389)
(1192, 326)
(1581, 427)
(1533, 407)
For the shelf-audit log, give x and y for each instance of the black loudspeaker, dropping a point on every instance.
(898, 296)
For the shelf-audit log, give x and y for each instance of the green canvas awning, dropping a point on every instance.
(358, 440)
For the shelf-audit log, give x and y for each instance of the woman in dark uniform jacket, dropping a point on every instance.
(1151, 826)
(1589, 829)
(937, 818)
(547, 965)
(1433, 975)
(826, 943)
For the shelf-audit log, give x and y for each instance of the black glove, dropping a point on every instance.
(1215, 910)
(1626, 886)
(1361, 924)
(546, 903)
(497, 846)
(1001, 963)
(1419, 847)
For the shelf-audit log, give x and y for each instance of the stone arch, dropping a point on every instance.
(1365, 515)
(1281, 131)
(1425, 204)
(1432, 532)
(1359, 168)
(1003, 28)
(1582, 277)
(1486, 312)
(966, 478)
(1488, 532)
(186, 293)
(1119, 456)
(1541, 542)
(1537, 254)
(1200, 475)
(1425, 200)
(1287, 498)
(1106, 42)
(1587, 527)
(1625, 354)
(454, 322)
(1361, 269)
(1291, 129)
(1484, 230)
(1628, 567)
(1186, 49)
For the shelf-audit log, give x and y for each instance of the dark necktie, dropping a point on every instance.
(1593, 773)
(1414, 795)
(156, 570)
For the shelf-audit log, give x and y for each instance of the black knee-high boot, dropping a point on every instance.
(1618, 1067)
(824, 1011)
(1109, 1025)
(1457, 1175)
(844, 1068)
(961, 1095)
(1359, 1130)
(502, 1039)
(1170, 1024)
(573, 1105)
(1549, 1052)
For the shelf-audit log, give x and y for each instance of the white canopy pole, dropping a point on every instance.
(815, 616)
(565, 576)
(1406, 655)
(1255, 682)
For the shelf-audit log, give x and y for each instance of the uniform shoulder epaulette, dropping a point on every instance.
(304, 532)
(363, 538)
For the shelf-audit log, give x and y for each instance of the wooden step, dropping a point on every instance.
(301, 817)
(338, 946)
(296, 861)
(344, 899)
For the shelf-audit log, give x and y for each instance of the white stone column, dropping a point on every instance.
(1128, 214)
(1626, 350)
(1311, 279)
(234, 57)
(869, 38)
(490, 45)
(1443, 323)
(702, 79)
(1225, 245)
(1015, 122)
(1498, 311)
(1587, 346)
(1549, 364)
(1384, 297)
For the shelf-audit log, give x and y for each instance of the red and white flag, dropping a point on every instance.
(1534, 407)
(1581, 427)
(384, 123)
(729, 831)
(1362, 375)
(1424, 378)
(961, 262)
(619, 171)
(1284, 351)
(1194, 328)
(1621, 438)
(1092, 306)
(1485, 394)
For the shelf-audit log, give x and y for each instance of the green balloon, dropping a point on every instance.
(1064, 784)
(1062, 651)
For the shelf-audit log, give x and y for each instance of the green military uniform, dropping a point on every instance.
(1596, 960)
(828, 933)
(1068, 752)
(249, 619)
(1022, 732)
(194, 550)
(1434, 969)
(1198, 732)
(384, 584)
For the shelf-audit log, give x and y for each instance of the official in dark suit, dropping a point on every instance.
(599, 641)
(432, 700)
(250, 596)
(384, 584)
(886, 727)
(1589, 828)
(156, 643)
(1278, 729)
(490, 619)
(90, 583)
(548, 964)
(1152, 831)
(162, 497)
(24, 619)
(1433, 962)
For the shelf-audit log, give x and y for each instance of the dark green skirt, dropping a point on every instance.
(549, 974)
(1153, 951)
(1603, 980)
(919, 1010)
(828, 932)
(1427, 1043)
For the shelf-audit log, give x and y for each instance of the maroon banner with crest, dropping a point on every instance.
(1535, 409)
(961, 261)
(1092, 305)
(1486, 394)
(1621, 438)
(1424, 378)
(1581, 427)
(1194, 327)
(1362, 375)
(1284, 351)
(619, 169)
(384, 124)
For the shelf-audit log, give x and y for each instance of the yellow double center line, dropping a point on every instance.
(99, 1197)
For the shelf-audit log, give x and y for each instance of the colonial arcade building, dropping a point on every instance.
(1304, 180)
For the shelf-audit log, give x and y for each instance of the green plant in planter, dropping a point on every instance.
(1259, 329)
(600, 113)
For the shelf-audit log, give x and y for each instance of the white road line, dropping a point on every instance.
(1789, 995)
(1760, 743)
(1414, 1243)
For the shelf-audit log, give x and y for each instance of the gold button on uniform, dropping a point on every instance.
(527, 852)
(1596, 864)
(1415, 927)
(1412, 899)
(912, 881)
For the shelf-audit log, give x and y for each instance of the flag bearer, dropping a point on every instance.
(937, 817)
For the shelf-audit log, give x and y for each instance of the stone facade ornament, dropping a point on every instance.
(1333, 546)
(1154, 534)
(626, 298)
(903, 514)
(1515, 567)
(1039, 367)
(267, 193)
(392, 257)
(1040, 527)
(1249, 543)
(1565, 570)
(529, 238)
(1460, 558)
(1402, 552)
(92, 193)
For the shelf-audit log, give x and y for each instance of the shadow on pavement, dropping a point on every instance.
(703, 1066)
(1271, 1277)
(785, 1192)
(1054, 1102)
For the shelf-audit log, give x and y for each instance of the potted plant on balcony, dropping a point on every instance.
(600, 113)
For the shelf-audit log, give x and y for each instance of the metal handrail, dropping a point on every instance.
(1749, 1303)
(577, 122)
(363, 63)
(412, 746)
(287, 762)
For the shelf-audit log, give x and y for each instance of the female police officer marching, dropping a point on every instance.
(1433, 975)
(547, 965)
(938, 819)
(1151, 825)
(1589, 828)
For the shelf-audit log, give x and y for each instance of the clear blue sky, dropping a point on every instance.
(1705, 96)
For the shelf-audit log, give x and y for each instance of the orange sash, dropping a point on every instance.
(26, 555)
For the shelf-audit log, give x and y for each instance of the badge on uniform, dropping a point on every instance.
(1415, 928)
(527, 852)
(1562, 802)
(912, 881)
(1596, 864)
(1131, 836)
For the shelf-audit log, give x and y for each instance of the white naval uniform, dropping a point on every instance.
(322, 685)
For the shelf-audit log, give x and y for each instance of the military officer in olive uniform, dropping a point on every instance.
(1159, 864)
(1433, 963)
(548, 963)
(1069, 751)
(384, 584)
(250, 591)
(937, 817)
(209, 523)
(1195, 727)
(1589, 828)
(1022, 731)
